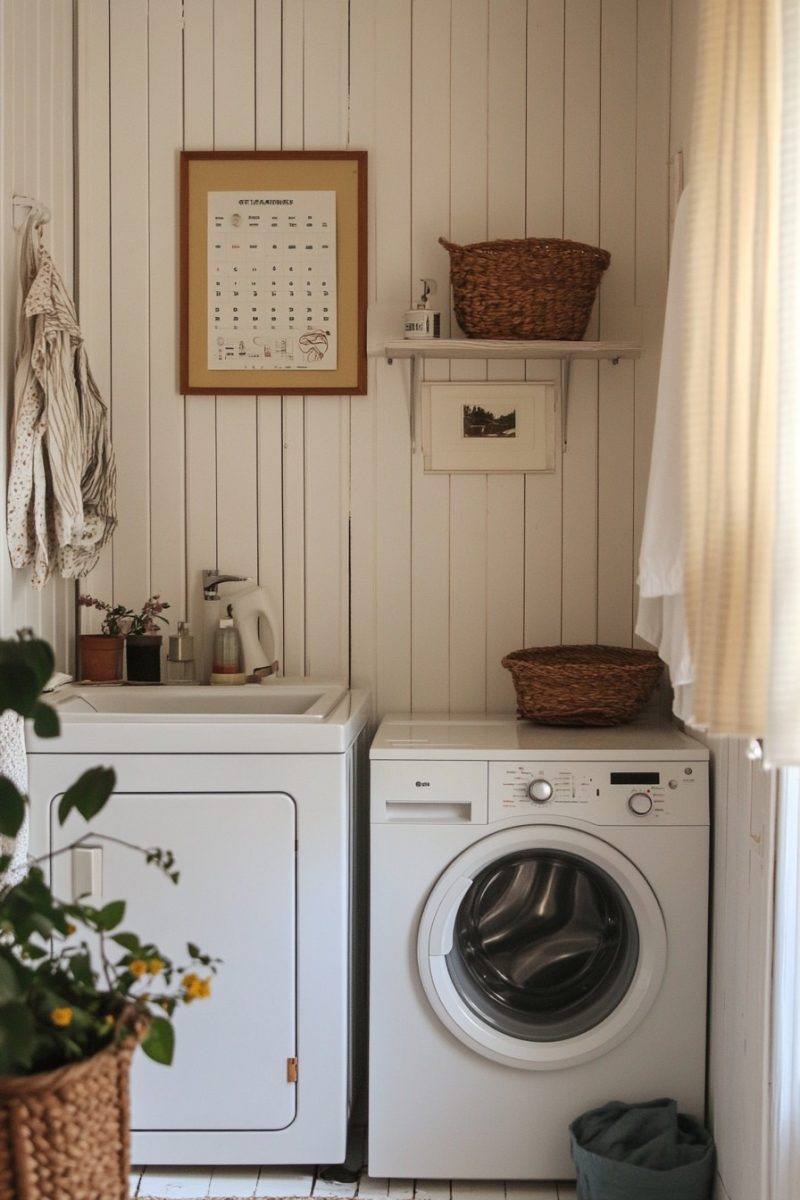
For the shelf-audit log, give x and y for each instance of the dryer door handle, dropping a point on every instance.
(440, 938)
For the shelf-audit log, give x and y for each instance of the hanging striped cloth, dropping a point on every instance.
(62, 480)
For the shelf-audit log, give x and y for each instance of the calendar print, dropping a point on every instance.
(272, 281)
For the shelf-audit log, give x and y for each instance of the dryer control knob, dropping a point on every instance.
(640, 803)
(540, 790)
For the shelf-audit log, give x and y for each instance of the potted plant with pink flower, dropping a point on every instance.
(143, 642)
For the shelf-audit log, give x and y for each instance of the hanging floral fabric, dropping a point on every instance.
(62, 479)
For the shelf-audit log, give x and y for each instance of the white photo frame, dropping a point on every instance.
(487, 426)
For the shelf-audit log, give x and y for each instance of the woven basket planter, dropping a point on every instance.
(64, 1134)
(582, 685)
(534, 289)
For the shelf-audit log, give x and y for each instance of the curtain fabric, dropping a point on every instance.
(729, 426)
(782, 737)
(660, 614)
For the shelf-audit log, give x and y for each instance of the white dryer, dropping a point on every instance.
(538, 937)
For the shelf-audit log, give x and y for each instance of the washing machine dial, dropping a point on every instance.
(540, 790)
(640, 803)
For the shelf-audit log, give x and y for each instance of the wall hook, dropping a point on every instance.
(22, 205)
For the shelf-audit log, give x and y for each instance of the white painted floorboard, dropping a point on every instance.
(260, 1183)
(185, 1183)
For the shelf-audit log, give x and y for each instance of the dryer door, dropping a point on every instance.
(541, 947)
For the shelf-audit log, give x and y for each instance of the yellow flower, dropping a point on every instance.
(138, 967)
(196, 988)
(109, 1019)
(61, 1016)
(155, 965)
(70, 929)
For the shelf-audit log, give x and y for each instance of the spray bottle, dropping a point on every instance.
(227, 666)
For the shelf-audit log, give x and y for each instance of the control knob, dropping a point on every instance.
(640, 803)
(540, 790)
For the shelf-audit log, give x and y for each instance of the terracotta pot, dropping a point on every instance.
(143, 654)
(100, 657)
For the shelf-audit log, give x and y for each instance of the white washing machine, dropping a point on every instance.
(538, 937)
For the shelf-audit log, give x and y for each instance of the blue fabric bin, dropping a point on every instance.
(644, 1151)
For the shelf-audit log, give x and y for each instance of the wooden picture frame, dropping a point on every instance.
(489, 426)
(273, 295)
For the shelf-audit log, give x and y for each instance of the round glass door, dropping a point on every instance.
(541, 946)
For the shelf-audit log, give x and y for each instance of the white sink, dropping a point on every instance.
(293, 715)
(278, 701)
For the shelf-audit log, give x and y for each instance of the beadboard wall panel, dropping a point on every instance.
(741, 968)
(482, 118)
(93, 219)
(131, 291)
(36, 159)
(167, 408)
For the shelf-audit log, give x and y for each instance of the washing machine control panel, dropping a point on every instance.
(616, 793)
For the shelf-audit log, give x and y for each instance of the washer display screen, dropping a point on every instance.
(545, 945)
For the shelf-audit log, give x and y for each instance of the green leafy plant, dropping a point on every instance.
(62, 999)
(124, 621)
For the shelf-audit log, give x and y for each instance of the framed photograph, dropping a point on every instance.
(274, 272)
(487, 426)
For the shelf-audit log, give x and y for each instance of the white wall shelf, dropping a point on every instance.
(477, 348)
(416, 349)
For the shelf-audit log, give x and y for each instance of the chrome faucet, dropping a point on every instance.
(212, 579)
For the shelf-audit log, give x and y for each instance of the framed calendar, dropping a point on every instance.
(274, 272)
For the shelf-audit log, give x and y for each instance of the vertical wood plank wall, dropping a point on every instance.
(482, 118)
(36, 156)
(741, 969)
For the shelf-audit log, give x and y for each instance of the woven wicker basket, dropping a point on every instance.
(582, 685)
(536, 289)
(64, 1134)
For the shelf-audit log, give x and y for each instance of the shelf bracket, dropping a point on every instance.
(413, 395)
(416, 377)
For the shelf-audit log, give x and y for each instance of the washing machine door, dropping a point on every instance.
(541, 947)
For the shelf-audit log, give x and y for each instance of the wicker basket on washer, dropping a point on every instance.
(535, 289)
(582, 685)
(64, 1134)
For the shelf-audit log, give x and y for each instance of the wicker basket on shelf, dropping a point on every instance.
(534, 289)
(64, 1134)
(582, 685)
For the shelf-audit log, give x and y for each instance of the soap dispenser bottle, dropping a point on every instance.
(227, 653)
(180, 656)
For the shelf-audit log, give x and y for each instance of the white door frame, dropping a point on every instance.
(785, 1115)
